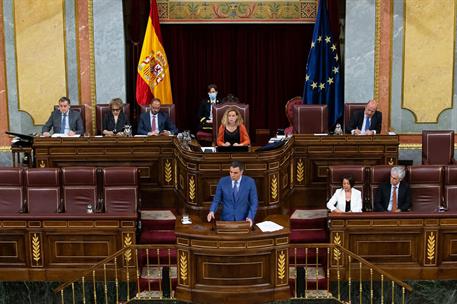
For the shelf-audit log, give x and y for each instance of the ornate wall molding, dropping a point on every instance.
(237, 11)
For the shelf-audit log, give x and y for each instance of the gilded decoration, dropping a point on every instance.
(281, 270)
(431, 245)
(237, 11)
(274, 188)
(168, 172)
(336, 252)
(300, 170)
(128, 253)
(36, 249)
(183, 272)
(192, 189)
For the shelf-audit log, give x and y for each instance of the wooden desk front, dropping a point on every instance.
(413, 246)
(296, 173)
(232, 268)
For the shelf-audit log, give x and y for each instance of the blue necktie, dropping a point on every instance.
(367, 124)
(235, 190)
(63, 123)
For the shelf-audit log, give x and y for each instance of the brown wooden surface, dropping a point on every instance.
(232, 268)
(413, 246)
(171, 176)
(54, 248)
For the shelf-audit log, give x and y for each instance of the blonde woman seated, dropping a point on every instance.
(232, 131)
(347, 198)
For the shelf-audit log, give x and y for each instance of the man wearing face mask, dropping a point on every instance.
(205, 113)
(155, 122)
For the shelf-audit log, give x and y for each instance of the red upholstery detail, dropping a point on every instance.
(11, 190)
(300, 256)
(308, 236)
(426, 187)
(205, 138)
(120, 186)
(43, 190)
(158, 237)
(349, 108)
(438, 147)
(309, 119)
(290, 113)
(450, 188)
(378, 176)
(153, 259)
(219, 110)
(79, 188)
(308, 223)
(167, 108)
(102, 109)
(158, 225)
(336, 174)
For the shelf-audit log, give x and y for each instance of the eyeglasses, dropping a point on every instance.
(116, 110)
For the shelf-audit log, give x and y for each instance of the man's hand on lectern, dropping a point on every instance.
(210, 216)
(250, 221)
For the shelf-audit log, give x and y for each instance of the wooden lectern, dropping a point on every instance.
(226, 267)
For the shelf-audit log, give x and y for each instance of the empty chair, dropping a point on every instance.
(79, 186)
(438, 147)
(336, 174)
(426, 183)
(11, 191)
(219, 110)
(120, 190)
(309, 119)
(450, 188)
(378, 175)
(43, 190)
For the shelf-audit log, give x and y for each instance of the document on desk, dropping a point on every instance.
(64, 135)
(269, 226)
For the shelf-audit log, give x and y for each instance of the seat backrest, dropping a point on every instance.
(11, 190)
(450, 188)
(309, 119)
(78, 108)
(426, 187)
(378, 175)
(166, 108)
(120, 190)
(43, 190)
(349, 108)
(437, 147)
(336, 173)
(79, 186)
(102, 109)
(289, 108)
(219, 110)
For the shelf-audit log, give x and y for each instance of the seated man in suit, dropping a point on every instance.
(205, 113)
(394, 196)
(367, 122)
(237, 194)
(155, 122)
(64, 120)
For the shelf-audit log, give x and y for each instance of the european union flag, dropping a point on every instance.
(323, 83)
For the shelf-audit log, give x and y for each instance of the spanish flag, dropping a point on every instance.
(153, 78)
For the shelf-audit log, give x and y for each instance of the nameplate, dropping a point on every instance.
(225, 227)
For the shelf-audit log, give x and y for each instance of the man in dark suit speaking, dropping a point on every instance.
(155, 122)
(367, 122)
(64, 120)
(394, 196)
(237, 194)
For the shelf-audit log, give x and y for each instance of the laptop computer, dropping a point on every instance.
(232, 149)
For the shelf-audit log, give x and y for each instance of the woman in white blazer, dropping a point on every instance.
(347, 198)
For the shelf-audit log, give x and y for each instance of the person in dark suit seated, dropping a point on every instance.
(64, 120)
(205, 113)
(238, 195)
(115, 120)
(232, 131)
(394, 196)
(367, 122)
(155, 122)
(346, 198)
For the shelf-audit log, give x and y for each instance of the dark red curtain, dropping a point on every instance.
(263, 65)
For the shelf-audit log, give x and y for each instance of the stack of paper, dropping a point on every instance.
(269, 226)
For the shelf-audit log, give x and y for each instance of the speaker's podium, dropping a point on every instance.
(232, 264)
